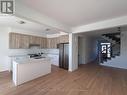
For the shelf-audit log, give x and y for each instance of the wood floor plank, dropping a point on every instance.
(89, 79)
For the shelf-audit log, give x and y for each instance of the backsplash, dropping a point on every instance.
(18, 52)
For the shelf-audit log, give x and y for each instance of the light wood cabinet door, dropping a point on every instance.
(24, 42)
(52, 43)
(55, 42)
(14, 40)
(48, 43)
(43, 42)
(35, 40)
(64, 39)
(21, 41)
(11, 40)
(18, 41)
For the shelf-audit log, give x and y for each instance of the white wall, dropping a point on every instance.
(124, 43)
(120, 61)
(87, 50)
(4, 42)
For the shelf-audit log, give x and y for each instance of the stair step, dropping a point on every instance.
(108, 39)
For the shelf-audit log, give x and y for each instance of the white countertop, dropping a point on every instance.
(31, 60)
(18, 55)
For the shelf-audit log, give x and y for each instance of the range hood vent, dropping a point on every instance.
(34, 46)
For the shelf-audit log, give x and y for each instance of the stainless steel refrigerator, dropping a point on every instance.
(63, 55)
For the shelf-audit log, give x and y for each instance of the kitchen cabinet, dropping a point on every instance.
(48, 43)
(14, 40)
(18, 41)
(52, 42)
(35, 40)
(22, 41)
(39, 41)
(26, 70)
(43, 42)
(54, 59)
(64, 39)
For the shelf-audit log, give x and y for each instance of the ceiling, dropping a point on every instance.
(14, 22)
(79, 12)
(98, 33)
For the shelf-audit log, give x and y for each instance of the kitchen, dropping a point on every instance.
(22, 46)
(44, 51)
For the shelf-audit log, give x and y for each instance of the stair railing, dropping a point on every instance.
(100, 52)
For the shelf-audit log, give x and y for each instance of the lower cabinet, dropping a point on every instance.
(54, 59)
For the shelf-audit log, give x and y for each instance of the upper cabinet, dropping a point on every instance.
(52, 42)
(13, 40)
(43, 42)
(35, 40)
(17, 41)
(64, 39)
(21, 41)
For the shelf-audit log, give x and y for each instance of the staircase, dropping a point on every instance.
(117, 62)
(114, 39)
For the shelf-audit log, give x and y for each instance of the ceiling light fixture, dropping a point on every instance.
(21, 22)
(47, 29)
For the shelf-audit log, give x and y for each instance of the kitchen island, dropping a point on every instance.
(29, 69)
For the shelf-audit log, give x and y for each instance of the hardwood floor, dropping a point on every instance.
(87, 80)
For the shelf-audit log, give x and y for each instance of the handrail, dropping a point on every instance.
(106, 49)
